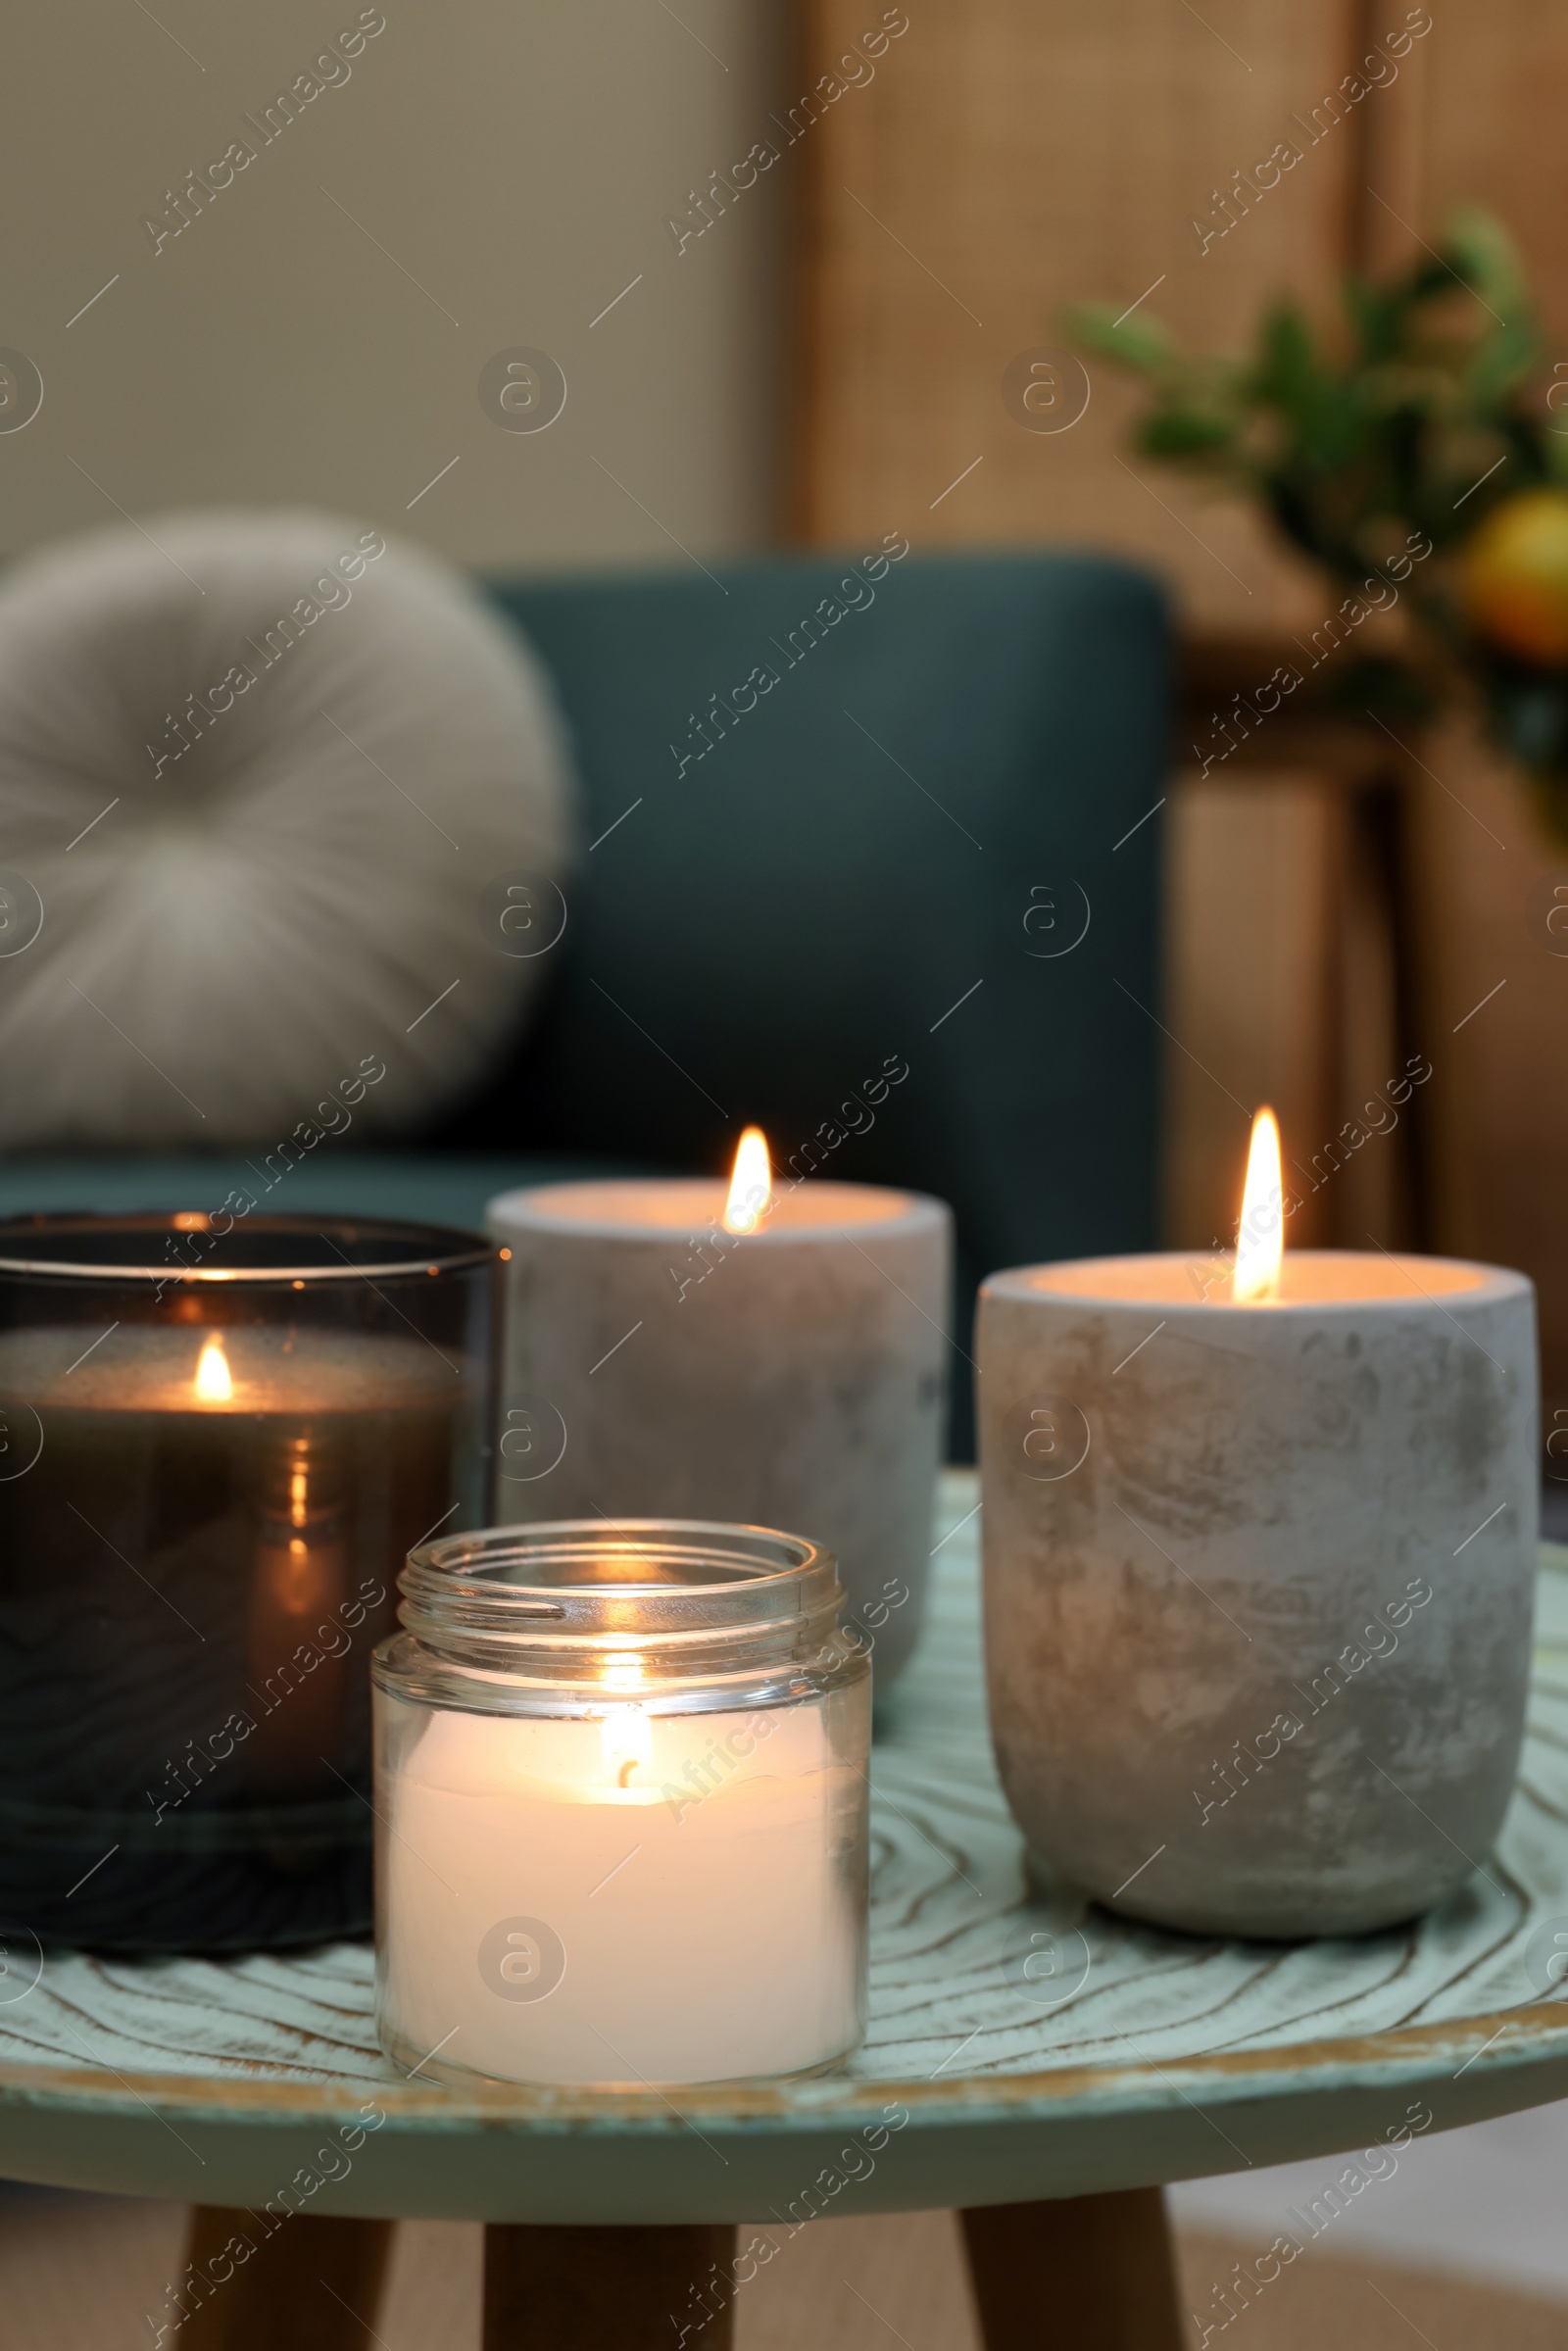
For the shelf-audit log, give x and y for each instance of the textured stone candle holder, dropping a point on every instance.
(658, 1366)
(1259, 1581)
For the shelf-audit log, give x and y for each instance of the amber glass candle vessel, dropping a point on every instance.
(218, 1438)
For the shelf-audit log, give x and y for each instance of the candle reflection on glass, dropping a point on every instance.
(194, 1569)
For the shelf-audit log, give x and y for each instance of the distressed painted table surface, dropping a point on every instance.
(229, 2081)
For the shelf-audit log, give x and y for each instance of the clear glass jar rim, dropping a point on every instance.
(459, 1583)
(411, 1247)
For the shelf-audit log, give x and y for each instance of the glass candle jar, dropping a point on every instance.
(621, 1807)
(218, 1439)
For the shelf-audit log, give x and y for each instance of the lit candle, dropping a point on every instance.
(690, 1349)
(1259, 1558)
(214, 1484)
(622, 1780)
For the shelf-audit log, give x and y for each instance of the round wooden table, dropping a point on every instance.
(1044, 2067)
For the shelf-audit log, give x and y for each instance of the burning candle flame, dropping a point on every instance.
(1260, 1235)
(213, 1383)
(752, 1185)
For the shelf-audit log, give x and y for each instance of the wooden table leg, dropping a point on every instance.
(1087, 2273)
(252, 2282)
(608, 2289)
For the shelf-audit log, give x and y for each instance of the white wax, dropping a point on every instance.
(707, 1936)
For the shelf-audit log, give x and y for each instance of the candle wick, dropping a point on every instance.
(626, 1770)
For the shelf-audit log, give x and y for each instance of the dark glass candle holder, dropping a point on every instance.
(218, 1439)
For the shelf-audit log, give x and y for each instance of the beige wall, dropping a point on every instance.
(518, 159)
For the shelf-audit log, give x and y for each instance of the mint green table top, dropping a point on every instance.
(227, 2081)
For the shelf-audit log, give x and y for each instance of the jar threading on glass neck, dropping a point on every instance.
(564, 1601)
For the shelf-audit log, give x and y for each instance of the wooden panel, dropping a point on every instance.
(1011, 158)
(1357, 1180)
(1483, 128)
(1281, 988)
(1486, 127)
(1496, 988)
(1487, 131)
(1249, 864)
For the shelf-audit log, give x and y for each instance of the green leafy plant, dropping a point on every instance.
(1426, 411)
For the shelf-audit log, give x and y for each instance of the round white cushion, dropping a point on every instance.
(267, 774)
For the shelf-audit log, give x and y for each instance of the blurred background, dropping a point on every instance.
(796, 259)
(812, 348)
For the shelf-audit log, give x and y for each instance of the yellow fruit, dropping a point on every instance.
(1517, 576)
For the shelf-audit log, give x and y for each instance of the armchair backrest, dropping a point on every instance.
(870, 859)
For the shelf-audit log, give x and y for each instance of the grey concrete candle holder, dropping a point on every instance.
(1259, 1582)
(657, 1366)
